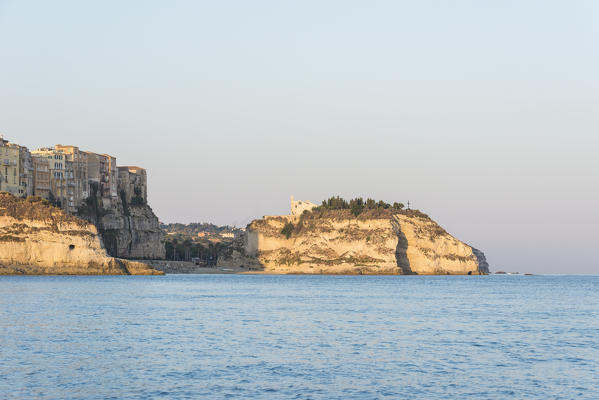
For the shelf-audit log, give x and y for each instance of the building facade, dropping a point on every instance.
(76, 173)
(10, 180)
(65, 175)
(58, 175)
(102, 171)
(133, 184)
(299, 206)
(25, 172)
(41, 176)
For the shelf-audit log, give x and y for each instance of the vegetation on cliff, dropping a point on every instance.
(339, 209)
(35, 208)
(357, 205)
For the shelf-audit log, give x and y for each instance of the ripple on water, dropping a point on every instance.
(299, 337)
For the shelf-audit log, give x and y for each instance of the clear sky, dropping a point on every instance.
(483, 114)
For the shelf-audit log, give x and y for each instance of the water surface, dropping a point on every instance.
(299, 337)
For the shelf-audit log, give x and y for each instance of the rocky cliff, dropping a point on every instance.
(337, 242)
(127, 230)
(38, 239)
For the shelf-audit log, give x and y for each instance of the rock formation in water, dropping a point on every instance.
(129, 229)
(337, 242)
(39, 239)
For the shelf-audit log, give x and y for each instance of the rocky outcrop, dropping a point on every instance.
(337, 242)
(38, 239)
(134, 233)
(129, 231)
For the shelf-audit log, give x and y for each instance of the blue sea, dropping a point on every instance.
(299, 337)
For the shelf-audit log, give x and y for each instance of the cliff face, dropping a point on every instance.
(336, 242)
(127, 230)
(134, 233)
(36, 238)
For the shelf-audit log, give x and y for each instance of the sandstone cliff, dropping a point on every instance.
(38, 239)
(337, 242)
(127, 230)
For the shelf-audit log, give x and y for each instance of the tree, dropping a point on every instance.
(287, 230)
(357, 206)
(398, 206)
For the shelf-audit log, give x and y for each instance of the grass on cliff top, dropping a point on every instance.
(35, 208)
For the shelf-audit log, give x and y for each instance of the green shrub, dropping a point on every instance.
(287, 230)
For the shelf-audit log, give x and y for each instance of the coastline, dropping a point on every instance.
(186, 267)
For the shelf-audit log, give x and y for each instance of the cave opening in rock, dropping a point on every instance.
(71, 246)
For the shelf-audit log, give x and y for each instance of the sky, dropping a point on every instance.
(483, 114)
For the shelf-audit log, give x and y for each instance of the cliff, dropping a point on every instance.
(39, 239)
(337, 242)
(128, 229)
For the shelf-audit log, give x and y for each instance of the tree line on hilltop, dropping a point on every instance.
(357, 205)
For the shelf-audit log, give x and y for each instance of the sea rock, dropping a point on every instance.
(337, 242)
(39, 239)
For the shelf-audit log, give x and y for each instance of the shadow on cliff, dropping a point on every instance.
(401, 251)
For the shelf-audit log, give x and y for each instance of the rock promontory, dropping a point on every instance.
(39, 239)
(339, 241)
(128, 230)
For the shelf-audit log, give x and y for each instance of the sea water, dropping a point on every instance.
(299, 337)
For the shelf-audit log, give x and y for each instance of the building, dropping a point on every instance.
(110, 175)
(102, 171)
(76, 170)
(60, 177)
(25, 172)
(67, 176)
(299, 206)
(133, 184)
(9, 167)
(41, 176)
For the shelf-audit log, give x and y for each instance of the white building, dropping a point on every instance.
(299, 206)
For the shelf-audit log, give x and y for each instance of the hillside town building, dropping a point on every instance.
(67, 176)
(41, 176)
(10, 180)
(133, 184)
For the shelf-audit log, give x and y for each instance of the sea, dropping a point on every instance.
(299, 337)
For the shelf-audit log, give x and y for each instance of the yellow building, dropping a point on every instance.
(58, 175)
(102, 172)
(25, 171)
(41, 176)
(9, 167)
(76, 174)
(133, 184)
